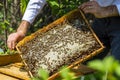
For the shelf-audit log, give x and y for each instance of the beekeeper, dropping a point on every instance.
(106, 25)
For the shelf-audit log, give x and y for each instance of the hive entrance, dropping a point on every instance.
(61, 45)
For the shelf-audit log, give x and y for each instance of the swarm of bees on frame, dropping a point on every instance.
(59, 46)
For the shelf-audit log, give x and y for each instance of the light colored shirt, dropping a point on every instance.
(35, 6)
(105, 3)
(33, 9)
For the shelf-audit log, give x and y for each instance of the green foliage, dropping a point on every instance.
(1, 4)
(54, 6)
(1, 20)
(23, 5)
(66, 74)
(107, 68)
(117, 70)
(43, 74)
(1, 16)
(1, 51)
(4, 25)
(60, 7)
(8, 52)
(1, 43)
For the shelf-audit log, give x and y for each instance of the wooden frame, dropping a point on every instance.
(70, 15)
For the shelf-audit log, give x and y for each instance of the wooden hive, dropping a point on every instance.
(12, 68)
(67, 41)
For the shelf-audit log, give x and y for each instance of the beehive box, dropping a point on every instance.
(67, 41)
(12, 68)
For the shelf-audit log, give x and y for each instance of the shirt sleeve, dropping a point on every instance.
(118, 7)
(33, 9)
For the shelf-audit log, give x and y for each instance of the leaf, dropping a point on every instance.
(1, 15)
(66, 74)
(1, 4)
(6, 22)
(23, 5)
(110, 64)
(117, 70)
(54, 3)
(97, 64)
(3, 25)
(43, 74)
(1, 51)
(11, 29)
(34, 78)
(55, 7)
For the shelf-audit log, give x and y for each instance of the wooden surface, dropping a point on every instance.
(6, 77)
(7, 59)
(14, 71)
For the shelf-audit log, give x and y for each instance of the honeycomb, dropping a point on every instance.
(61, 45)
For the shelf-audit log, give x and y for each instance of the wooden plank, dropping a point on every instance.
(6, 77)
(15, 70)
(7, 59)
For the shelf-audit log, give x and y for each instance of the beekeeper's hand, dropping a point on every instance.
(98, 11)
(14, 38)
